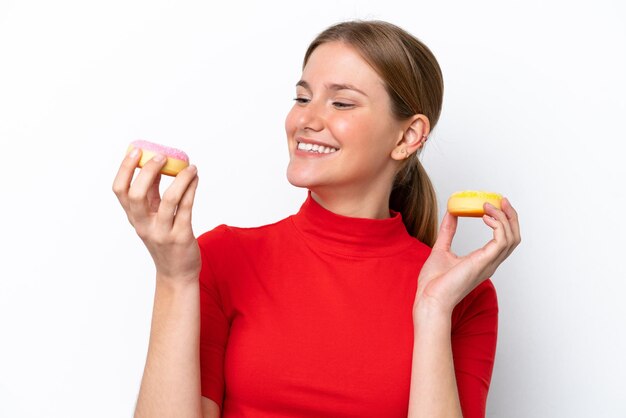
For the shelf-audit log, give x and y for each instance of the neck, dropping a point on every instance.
(371, 204)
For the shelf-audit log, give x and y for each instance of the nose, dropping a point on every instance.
(311, 116)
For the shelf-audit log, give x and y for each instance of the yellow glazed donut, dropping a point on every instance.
(177, 160)
(470, 202)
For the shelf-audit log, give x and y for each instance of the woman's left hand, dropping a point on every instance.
(446, 278)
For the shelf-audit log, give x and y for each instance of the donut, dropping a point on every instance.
(470, 202)
(177, 160)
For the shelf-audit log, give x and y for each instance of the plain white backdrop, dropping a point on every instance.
(534, 108)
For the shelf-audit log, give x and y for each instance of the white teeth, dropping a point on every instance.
(320, 149)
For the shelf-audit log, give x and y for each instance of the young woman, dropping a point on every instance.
(354, 306)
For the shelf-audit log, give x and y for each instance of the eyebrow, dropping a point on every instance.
(332, 86)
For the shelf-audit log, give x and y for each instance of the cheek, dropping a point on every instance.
(348, 128)
(354, 129)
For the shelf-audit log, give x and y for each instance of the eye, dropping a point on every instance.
(301, 100)
(342, 105)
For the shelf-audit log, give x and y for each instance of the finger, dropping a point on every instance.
(512, 215)
(497, 246)
(446, 232)
(173, 195)
(124, 176)
(500, 247)
(183, 212)
(154, 195)
(501, 216)
(138, 193)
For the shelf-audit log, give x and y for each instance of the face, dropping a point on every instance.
(340, 131)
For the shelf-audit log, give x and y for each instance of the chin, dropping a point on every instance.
(301, 178)
(298, 181)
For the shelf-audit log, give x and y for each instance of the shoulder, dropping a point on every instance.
(483, 294)
(226, 251)
(223, 236)
(418, 251)
(482, 302)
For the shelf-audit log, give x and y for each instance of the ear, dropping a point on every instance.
(414, 135)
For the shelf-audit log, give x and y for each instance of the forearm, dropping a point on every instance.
(433, 392)
(171, 381)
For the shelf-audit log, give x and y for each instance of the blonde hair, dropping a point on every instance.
(414, 82)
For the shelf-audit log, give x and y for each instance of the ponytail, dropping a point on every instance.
(413, 195)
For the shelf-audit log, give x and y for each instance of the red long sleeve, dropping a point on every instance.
(312, 317)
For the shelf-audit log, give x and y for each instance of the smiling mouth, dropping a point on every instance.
(315, 148)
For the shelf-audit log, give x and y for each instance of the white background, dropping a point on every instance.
(534, 108)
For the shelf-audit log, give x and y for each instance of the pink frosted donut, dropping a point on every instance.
(177, 160)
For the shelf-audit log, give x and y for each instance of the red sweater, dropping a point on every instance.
(312, 317)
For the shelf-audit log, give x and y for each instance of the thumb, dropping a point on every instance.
(446, 232)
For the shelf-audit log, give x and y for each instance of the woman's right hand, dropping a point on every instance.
(163, 224)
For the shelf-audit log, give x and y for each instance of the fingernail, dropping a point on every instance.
(134, 153)
(159, 158)
(192, 168)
